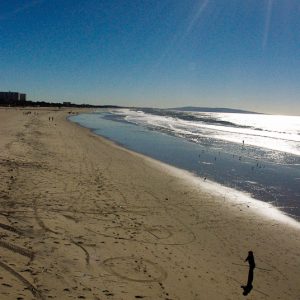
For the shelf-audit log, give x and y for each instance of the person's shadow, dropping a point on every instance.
(247, 288)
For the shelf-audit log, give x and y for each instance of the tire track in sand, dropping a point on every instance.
(35, 292)
(17, 249)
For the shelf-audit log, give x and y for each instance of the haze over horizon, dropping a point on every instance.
(168, 53)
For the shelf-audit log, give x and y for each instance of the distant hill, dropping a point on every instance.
(213, 109)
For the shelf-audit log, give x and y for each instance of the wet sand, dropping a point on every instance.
(82, 218)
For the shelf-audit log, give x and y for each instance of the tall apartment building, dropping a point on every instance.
(12, 97)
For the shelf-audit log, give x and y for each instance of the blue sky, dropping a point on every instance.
(234, 53)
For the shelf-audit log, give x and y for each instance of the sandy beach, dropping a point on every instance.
(82, 218)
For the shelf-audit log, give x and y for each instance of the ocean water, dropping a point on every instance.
(254, 153)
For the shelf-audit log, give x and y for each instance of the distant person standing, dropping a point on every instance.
(247, 288)
(250, 259)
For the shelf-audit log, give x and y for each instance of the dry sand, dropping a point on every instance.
(82, 218)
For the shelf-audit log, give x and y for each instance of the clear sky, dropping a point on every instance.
(163, 53)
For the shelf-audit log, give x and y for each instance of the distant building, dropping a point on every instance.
(22, 97)
(12, 98)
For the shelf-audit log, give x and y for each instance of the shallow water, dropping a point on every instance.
(268, 132)
(267, 174)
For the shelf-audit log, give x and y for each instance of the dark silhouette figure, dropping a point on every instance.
(250, 259)
(247, 288)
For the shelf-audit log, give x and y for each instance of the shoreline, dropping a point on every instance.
(216, 189)
(82, 217)
(260, 207)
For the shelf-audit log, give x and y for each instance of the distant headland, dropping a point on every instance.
(19, 100)
(213, 109)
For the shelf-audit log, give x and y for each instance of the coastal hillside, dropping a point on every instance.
(213, 109)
